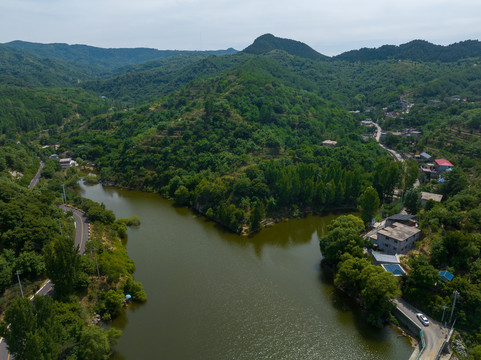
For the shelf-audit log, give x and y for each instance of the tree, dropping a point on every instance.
(348, 276)
(21, 317)
(343, 237)
(33, 331)
(182, 195)
(379, 287)
(95, 342)
(411, 173)
(110, 304)
(412, 201)
(257, 214)
(386, 177)
(457, 181)
(62, 262)
(369, 203)
(422, 274)
(6, 271)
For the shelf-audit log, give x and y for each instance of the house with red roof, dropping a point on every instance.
(443, 165)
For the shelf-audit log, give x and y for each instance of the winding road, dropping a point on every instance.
(81, 238)
(36, 178)
(435, 334)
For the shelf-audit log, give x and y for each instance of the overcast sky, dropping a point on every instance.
(330, 27)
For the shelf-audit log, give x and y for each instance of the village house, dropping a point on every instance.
(425, 156)
(67, 162)
(329, 143)
(442, 165)
(425, 196)
(446, 275)
(429, 170)
(367, 122)
(404, 219)
(397, 238)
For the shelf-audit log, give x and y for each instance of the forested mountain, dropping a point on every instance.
(349, 84)
(21, 69)
(100, 60)
(235, 146)
(416, 50)
(153, 80)
(268, 42)
(24, 109)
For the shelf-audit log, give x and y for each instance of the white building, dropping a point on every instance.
(397, 238)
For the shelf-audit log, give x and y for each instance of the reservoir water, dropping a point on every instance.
(216, 295)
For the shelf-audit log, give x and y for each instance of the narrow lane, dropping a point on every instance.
(81, 238)
(36, 178)
(433, 335)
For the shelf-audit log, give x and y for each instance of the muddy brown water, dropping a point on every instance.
(216, 295)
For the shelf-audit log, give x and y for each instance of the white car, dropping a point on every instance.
(423, 319)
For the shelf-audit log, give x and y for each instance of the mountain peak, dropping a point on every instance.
(268, 42)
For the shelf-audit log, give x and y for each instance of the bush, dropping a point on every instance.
(110, 303)
(134, 289)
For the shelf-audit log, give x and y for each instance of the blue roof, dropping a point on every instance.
(395, 269)
(446, 275)
(441, 180)
(425, 155)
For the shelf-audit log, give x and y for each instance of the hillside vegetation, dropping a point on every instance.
(239, 137)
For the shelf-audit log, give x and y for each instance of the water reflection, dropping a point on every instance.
(216, 295)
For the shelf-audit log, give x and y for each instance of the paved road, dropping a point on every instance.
(81, 227)
(4, 355)
(81, 238)
(433, 335)
(394, 154)
(36, 178)
(47, 288)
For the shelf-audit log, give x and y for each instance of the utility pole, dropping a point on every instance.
(96, 263)
(19, 283)
(454, 304)
(64, 196)
(444, 310)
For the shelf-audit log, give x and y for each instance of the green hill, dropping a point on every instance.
(152, 80)
(416, 50)
(268, 42)
(100, 60)
(233, 144)
(19, 68)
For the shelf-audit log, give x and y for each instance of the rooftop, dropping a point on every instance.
(399, 232)
(425, 155)
(385, 258)
(430, 196)
(401, 217)
(394, 269)
(446, 275)
(443, 162)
